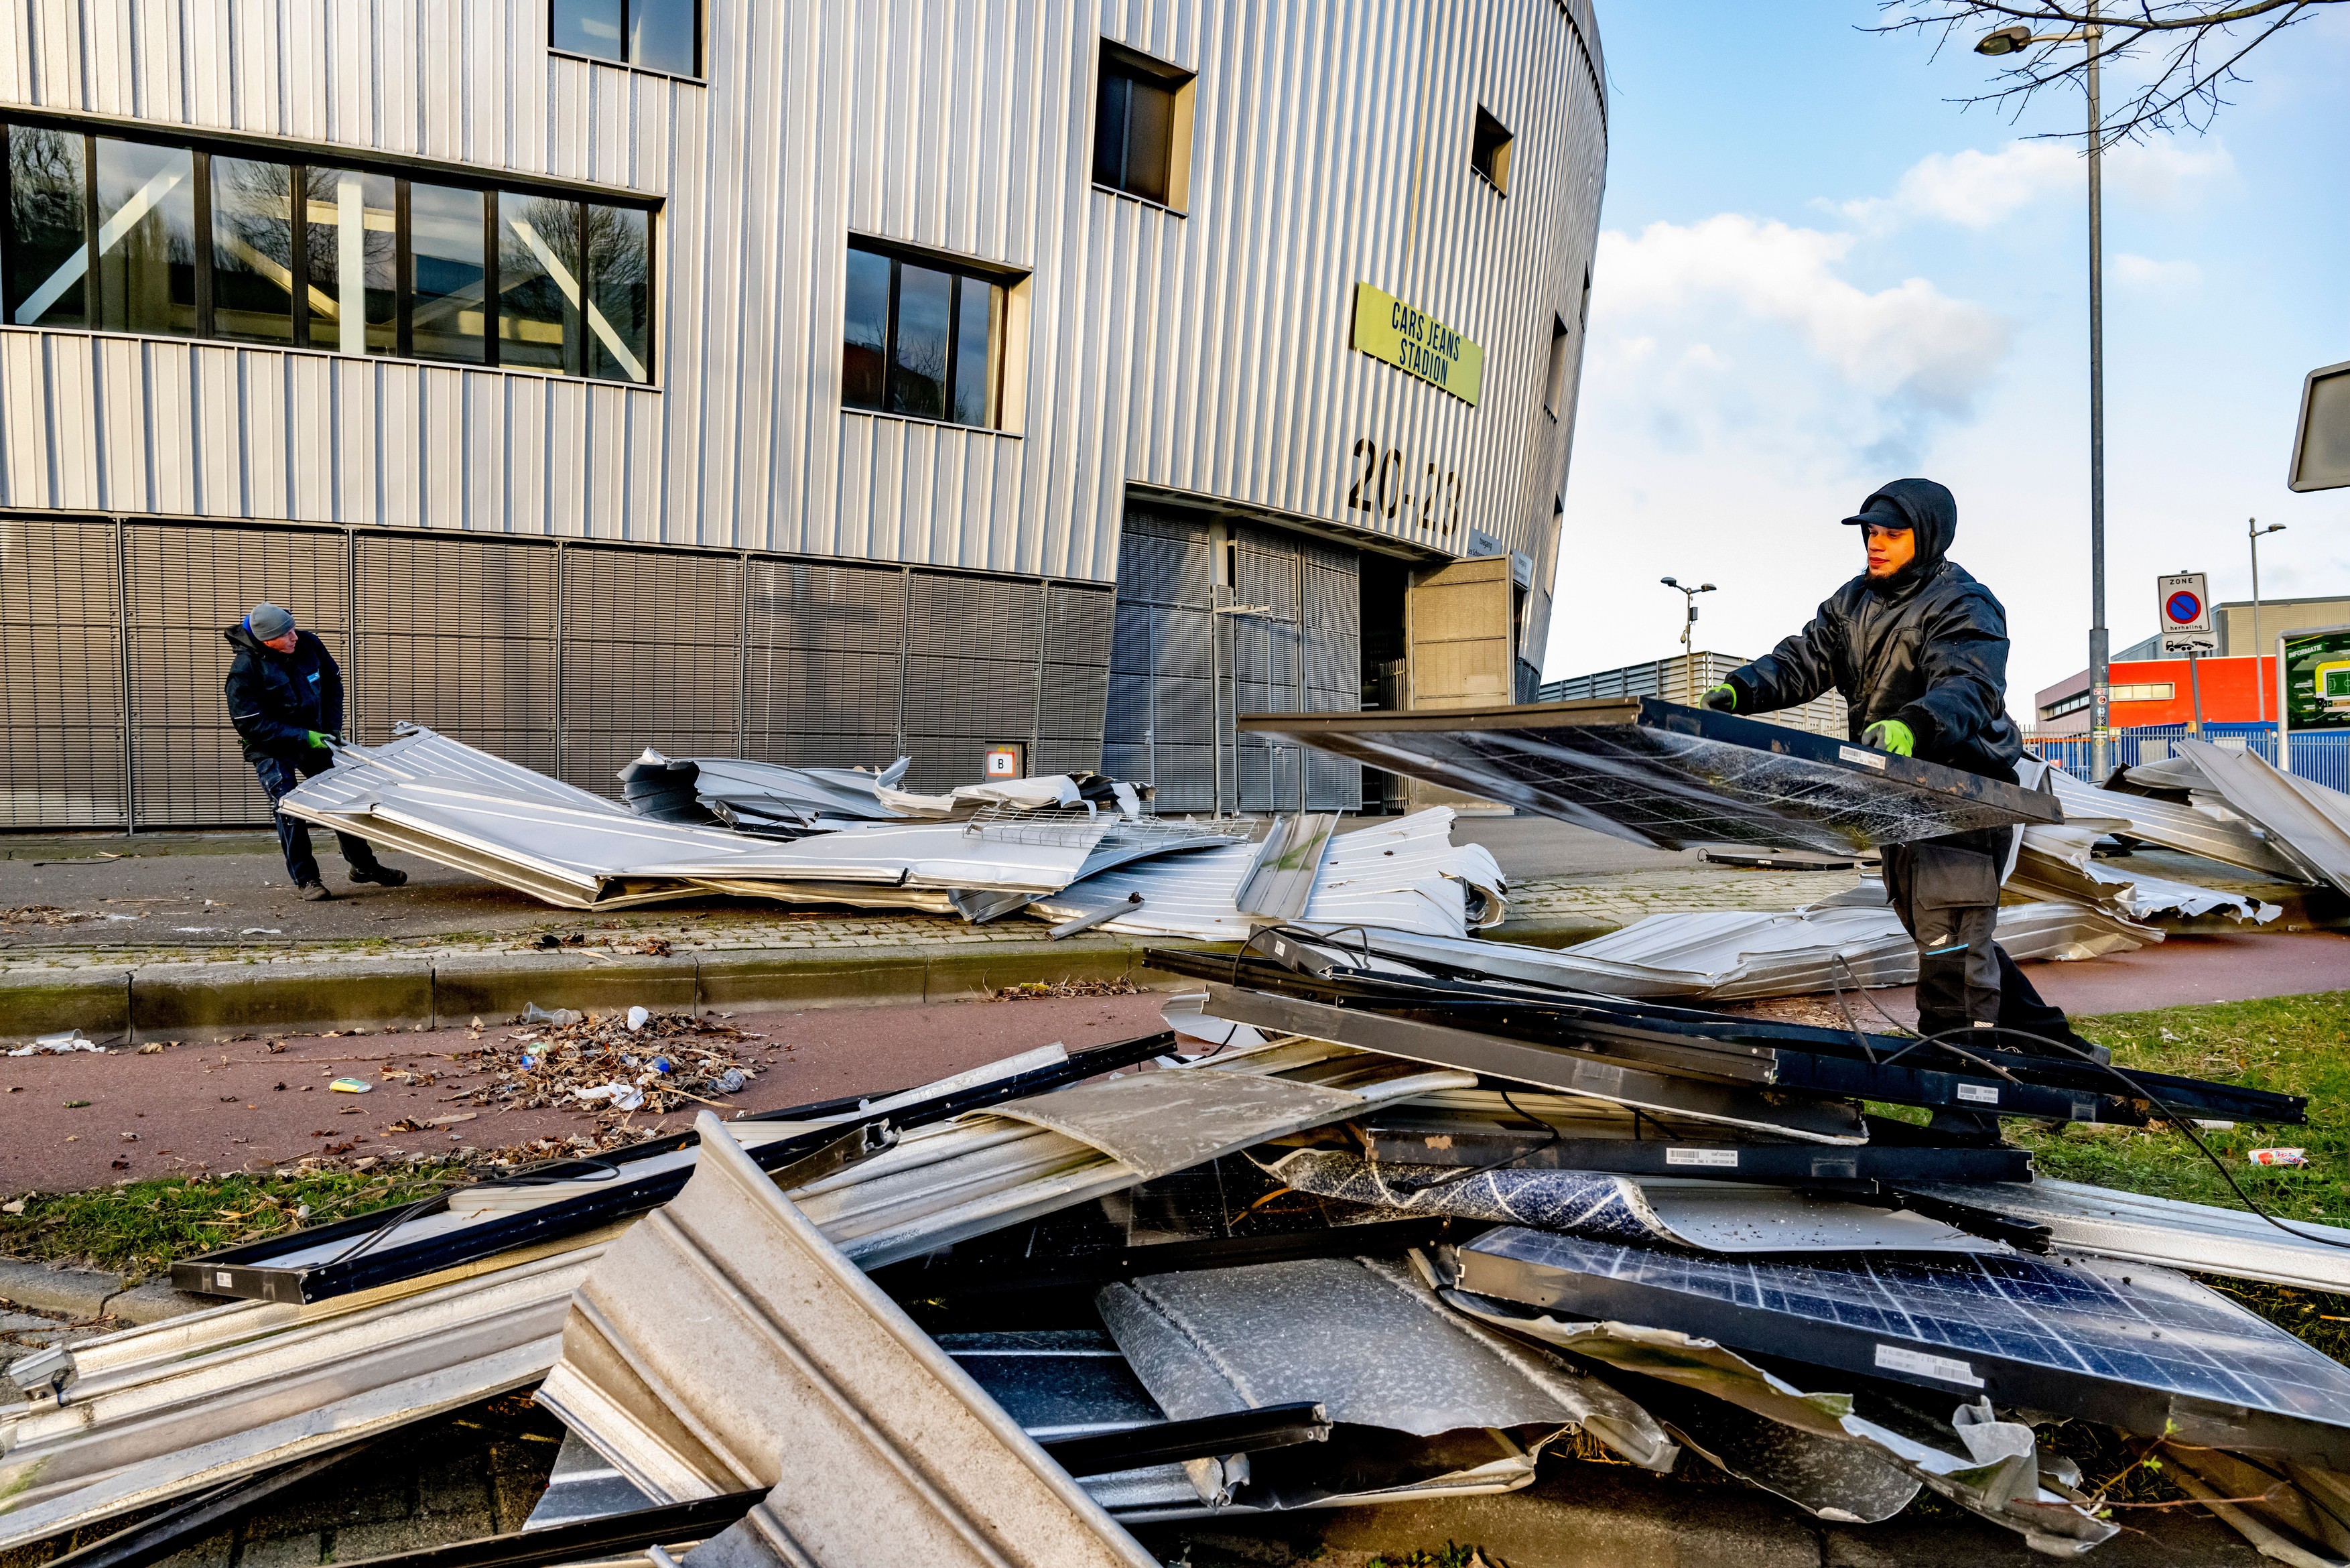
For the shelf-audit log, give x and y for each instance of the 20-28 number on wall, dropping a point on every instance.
(1379, 488)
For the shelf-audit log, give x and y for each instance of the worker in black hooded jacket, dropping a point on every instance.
(285, 698)
(1919, 650)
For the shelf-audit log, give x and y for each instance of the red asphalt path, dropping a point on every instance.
(2234, 966)
(238, 1105)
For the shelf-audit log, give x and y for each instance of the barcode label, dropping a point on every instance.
(1893, 1358)
(1725, 1158)
(1978, 1094)
(1865, 759)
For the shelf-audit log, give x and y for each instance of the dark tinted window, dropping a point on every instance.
(591, 27)
(654, 34)
(1134, 125)
(352, 261)
(446, 272)
(48, 203)
(147, 237)
(921, 338)
(253, 250)
(1489, 151)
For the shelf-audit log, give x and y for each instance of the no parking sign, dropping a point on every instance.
(2186, 615)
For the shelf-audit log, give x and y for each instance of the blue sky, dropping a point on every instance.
(1816, 273)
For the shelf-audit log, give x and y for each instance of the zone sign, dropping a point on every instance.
(2186, 601)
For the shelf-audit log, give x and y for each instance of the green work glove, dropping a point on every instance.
(1889, 736)
(320, 737)
(1723, 699)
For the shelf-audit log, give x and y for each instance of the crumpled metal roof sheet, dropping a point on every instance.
(259, 1387)
(2306, 823)
(1401, 875)
(1370, 1339)
(728, 1329)
(2222, 836)
(1659, 774)
(1723, 955)
(751, 796)
(2167, 1232)
(447, 802)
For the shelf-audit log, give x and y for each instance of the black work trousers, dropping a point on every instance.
(279, 775)
(1946, 891)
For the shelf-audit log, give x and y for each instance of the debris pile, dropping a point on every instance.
(636, 1060)
(1382, 1216)
(1077, 851)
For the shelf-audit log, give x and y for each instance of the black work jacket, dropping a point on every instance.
(1928, 647)
(275, 699)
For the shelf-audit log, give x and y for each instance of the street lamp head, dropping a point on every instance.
(1670, 582)
(2006, 40)
(2274, 528)
(1706, 588)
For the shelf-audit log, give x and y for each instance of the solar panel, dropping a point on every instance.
(1656, 773)
(2139, 1347)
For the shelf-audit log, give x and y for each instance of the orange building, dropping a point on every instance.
(2157, 691)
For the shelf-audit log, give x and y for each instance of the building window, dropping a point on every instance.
(1489, 151)
(1554, 379)
(201, 244)
(652, 35)
(922, 338)
(2063, 705)
(1142, 126)
(2151, 692)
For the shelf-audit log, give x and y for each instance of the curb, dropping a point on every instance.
(94, 1293)
(209, 1001)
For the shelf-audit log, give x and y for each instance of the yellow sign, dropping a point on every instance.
(1417, 343)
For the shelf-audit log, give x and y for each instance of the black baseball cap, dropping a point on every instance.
(1879, 513)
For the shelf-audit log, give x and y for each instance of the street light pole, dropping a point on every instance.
(2260, 677)
(2100, 739)
(1689, 628)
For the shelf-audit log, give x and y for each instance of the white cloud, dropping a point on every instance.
(1980, 190)
(2162, 279)
(1910, 342)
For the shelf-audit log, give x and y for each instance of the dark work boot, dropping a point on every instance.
(383, 875)
(316, 892)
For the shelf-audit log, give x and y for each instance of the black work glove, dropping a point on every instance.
(1723, 699)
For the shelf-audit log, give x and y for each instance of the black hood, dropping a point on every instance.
(240, 635)
(1933, 515)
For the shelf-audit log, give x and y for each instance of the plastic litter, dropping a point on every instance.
(624, 1096)
(2279, 1156)
(352, 1087)
(560, 1018)
(729, 1080)
(58, 1045)
(636, 1016)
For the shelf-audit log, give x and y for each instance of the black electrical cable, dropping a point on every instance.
(2138, 1091)
(1556, 1136)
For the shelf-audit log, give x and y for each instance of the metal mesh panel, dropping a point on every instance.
(1068, 757)
(60, 676)
(186, 584)
(1183, 644)
(1074, 698)
(1266, 579)
(843, 750)
(1128, 719)
(1333, 783)
(651, 657)
(1078, 625)
(992, 698)
(812, 604)
(975, 618)
(1186, 777)
(458, 634)
(1333, 662)
(1184, 712)
(811, 691)
(1130, 649)
(942, 763)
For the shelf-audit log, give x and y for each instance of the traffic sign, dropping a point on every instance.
(2186, 610)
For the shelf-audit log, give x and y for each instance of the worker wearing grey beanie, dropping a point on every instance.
(285, 698)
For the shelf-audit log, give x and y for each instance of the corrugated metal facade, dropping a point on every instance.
(1204, 353)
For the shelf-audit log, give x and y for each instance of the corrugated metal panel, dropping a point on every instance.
(651, 657)
(187, 767)
(457, 635)
(60, 675)
(1205, 352)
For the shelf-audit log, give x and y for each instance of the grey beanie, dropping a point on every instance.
(268, 622)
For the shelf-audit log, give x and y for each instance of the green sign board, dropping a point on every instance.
(2317, 681)
(1417, 343)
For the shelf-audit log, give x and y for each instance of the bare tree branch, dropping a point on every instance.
(2194, 48)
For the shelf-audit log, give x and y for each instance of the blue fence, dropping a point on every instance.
(2323, 756)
